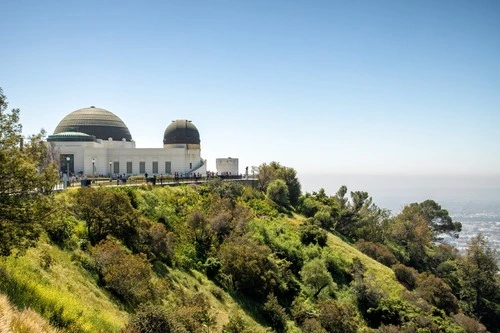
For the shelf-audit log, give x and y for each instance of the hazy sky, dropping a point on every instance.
(408, 87)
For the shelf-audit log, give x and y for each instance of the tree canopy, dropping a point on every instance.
(25, 183)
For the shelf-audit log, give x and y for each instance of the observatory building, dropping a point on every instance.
(96, 141)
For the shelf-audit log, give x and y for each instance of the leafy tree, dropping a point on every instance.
(107, 212)
(410, 230)
(273, 171)
(277, 191)
(315, 275)
(25, 183)
(249, 267)
(435, 291)
(438, 218)
(200, 233)
(480, 283)
(338, 317)
(275, 313)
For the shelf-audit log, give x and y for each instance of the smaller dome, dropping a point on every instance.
(71, 136)
(181, 131)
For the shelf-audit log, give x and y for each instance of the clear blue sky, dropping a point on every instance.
(391, 87)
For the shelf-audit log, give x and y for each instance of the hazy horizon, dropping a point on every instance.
(393, 191)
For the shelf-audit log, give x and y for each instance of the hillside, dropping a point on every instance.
(218, 257)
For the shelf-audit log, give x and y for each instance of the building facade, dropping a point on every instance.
(94, 141)
(227, 166)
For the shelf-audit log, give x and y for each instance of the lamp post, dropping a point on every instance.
(67, 167)
(110, 170)
(93, 170)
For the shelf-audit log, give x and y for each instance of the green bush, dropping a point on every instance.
(275, 314)
(377, 251)
(153, 319)
(310, 233)
(125, 274)
(236, 324)
(61, 229)
(338, 317)
(406, 275)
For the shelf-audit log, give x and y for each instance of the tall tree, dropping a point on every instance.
(26, 183)
(274, 170)
(479, 278)
(438, 218)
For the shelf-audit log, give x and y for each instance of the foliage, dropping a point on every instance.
(126, 275)
(438, 218)
(435, 291)
(277, 191)
(406, 275)
(236, 324)
(410, 229)
(315, 275)
(61, 229)
(248, 266)
(26, 183)
(273, 171)
(377, 251)
(310, 233)
(106, 212)
(154, 319)
(275, 313)
(480, 283)
(338, 317)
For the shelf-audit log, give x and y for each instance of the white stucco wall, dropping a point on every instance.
(227, 166)
(183, 158)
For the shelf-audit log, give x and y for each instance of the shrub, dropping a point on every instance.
(377, 251)
(153, 319)
(406, 275)
(437, 292)
(126, 275)
(324, 218)
(312, 234)
(236, 324)
(312, 325)
(338, 317)
(470, 325)
(275, 313)
(277, 191)
(60, 229)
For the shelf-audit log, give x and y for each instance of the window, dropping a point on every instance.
(155, 167)
(129, 167)
(168, 167)
(142, 167)
(190, 166)
(116, 167)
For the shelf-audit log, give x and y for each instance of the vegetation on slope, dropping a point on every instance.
(225, 257)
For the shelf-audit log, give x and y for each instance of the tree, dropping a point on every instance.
(316, 276)
(25, 183)
(273, 171)
(107, 212)
(125, 274)
(277, 191)
(480, 283)
(438, 218)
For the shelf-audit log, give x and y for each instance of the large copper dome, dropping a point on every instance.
(181, 131)
(100, 123)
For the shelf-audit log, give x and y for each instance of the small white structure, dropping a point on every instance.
(95, 141)
(227, 166)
